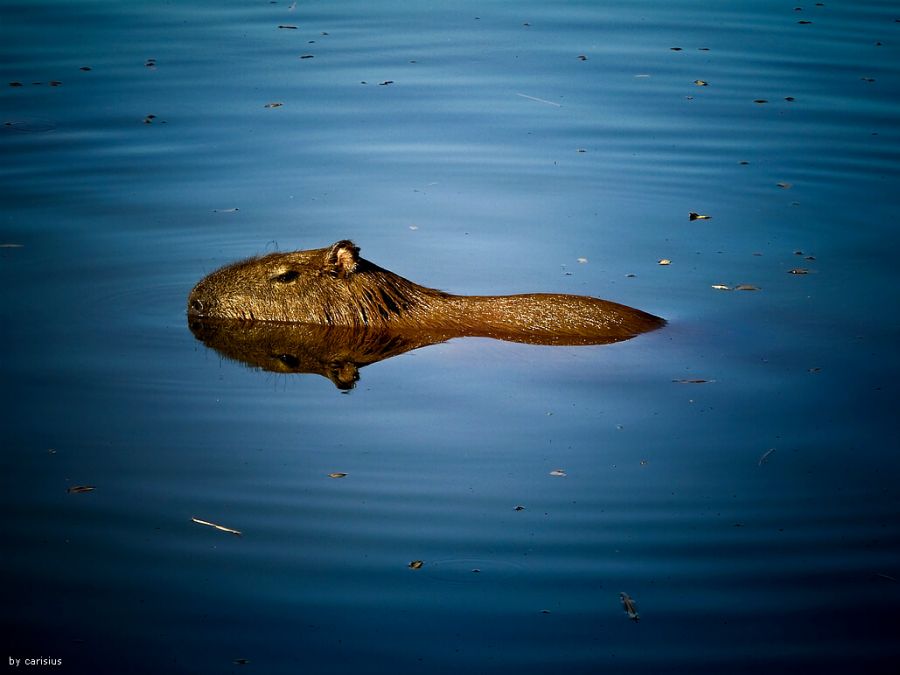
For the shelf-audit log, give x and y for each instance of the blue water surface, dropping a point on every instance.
(735, 473)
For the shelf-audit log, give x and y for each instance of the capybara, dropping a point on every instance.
(333, 286)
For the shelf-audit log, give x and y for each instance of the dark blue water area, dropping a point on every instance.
(735, 473)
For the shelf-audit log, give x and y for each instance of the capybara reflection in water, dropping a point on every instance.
(333, 286)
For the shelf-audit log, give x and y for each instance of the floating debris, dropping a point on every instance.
(385, 83)
(77, 489)
(273, 105)
(337, 474)
(149, 119)
(815, 369)
(629, 607)
(663, 261)
(519, 508)
(287, 27)
(746, 287)
(415, 565)
(804, 23)
(234, 210)
(15, 84)
(760, 100)
(85, 68)
(218, 527)
(557, 472)
(789, 99)
(583, 261)
(765, 456)
(307, 56)
(886, 576)
(150, 63)
(701, 83)
(242, 662)
(798, 270)
(582, 57)
(721, 287)
(698, 381)
(697, 216)
(785, 186)
(55, 83)
(675, 49)
(12, 245)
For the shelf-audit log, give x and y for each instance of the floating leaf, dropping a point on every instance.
(765, 456)
(746, 287)
(721, 287)
(76, 489)
(663, 261)
(337, 474)
(798, 270)
(557, 472)
(701, 83)
(218, 527)
(629, 607)
(697, 216)
(416, 565)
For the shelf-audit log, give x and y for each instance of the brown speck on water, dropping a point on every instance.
(416, 565)
(701, 83)
(746, 287)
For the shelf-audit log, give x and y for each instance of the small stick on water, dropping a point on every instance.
(539, 100)
(765, 457)
(218, 527)
(629, 606)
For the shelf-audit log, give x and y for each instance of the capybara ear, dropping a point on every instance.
(342, 258)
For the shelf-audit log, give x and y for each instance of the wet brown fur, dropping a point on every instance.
(333, 286)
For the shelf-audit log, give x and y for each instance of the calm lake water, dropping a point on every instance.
(736, 473)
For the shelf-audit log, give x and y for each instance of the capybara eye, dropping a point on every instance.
(285, 277)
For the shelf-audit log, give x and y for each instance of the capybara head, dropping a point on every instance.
(326, 286)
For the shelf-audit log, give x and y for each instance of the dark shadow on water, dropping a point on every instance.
(336, 352)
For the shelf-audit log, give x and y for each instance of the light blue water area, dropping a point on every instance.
(484, 147)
